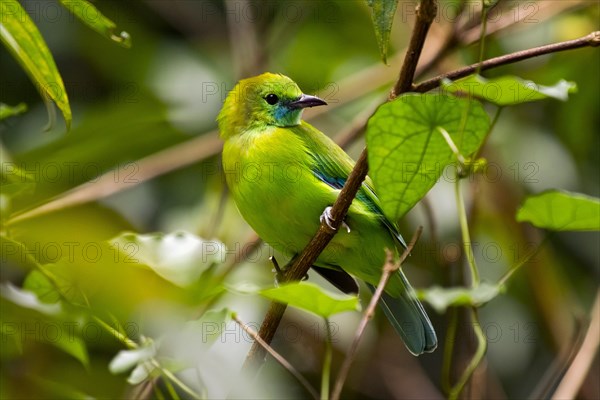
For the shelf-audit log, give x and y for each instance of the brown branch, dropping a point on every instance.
(111, 182)
(280, 359)
(591, 40)
(388, 269)
(426, 12)
(301, 264)
(575, 375)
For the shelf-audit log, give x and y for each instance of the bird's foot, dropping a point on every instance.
(280, 273)
(326, 217)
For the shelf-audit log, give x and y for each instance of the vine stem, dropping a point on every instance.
(466, 236)
(477, 357)
(325, 376)
(278, 357)
(388, 269)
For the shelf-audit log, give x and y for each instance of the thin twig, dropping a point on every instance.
(591, 40)
(244, 38)
(278, 357)
(116, 180)
(326, 372)
(477, 357)
(575, 375)
(388, 269)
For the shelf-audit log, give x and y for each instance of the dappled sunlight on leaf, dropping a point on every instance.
(313, 298)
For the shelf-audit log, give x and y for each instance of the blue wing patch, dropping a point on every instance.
(336, 183)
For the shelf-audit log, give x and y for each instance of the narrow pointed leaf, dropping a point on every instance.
(382, 14)
(24, 41)
(92, 17)
(561, 211)
(407, 152)
(509, 90)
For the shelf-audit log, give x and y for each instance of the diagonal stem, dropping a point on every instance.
(591, 40)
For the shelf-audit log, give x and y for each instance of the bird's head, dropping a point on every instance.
(264, 100)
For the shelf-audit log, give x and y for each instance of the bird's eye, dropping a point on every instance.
(271, 98)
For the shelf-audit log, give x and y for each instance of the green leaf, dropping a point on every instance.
(92, 17)
(407, 151)
(310, 297)
(509, 90)
(52, 324)
(36, 282)
(441, 298)
(382, 14)
(178, 257)
(7, 111)
(22, 38)
(54, 284)
(561, 211)
(27, 299)
(75, 346)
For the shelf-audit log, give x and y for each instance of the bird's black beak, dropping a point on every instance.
(307, 101)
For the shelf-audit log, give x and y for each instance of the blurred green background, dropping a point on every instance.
(145, 116)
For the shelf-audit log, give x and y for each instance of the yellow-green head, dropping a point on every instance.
(264, 100)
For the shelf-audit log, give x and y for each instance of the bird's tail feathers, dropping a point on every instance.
(408, 317)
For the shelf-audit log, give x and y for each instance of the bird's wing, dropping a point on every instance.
(333, 166)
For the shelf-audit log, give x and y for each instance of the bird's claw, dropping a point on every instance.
(280, 274)
(326, 217)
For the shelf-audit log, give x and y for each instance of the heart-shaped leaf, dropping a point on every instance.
(407, 148)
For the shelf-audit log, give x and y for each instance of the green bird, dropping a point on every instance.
(284, 176)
